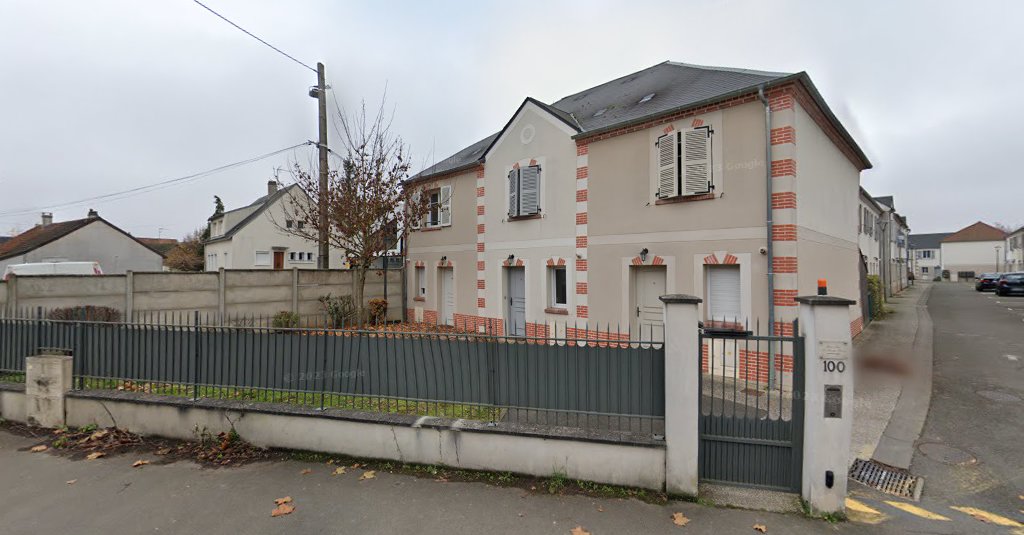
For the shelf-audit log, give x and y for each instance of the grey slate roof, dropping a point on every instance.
(928, 241)
(674, 86)
(887, 200)
(261, 205)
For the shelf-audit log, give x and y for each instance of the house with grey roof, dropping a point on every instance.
(256, 236)
(1015, 250)
(736, 186)
(926, 254)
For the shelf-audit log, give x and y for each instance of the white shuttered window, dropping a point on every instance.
(724, 293)
(684, 163)
(668, 165)
(524, 191)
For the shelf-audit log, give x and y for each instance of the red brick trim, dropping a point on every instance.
(781, 100)
(582, 172)
(581, 218)
(685, 198)
(785, 167)
(480, 247)
(581, 265)
(784, 233)
(480, 191)
(784, 200)
(856, 326)
(555, 262)
(783, 134)
(581, 311)
(480, 265)
(783, 328)
(448, 263)
(481, 302)
(581, 288)
(481, 284)
(658, 261)
(480, 209)
(582, 148)
(784, 264)
(581, 195)
(785, 298)
(480, 172)
(481, 228)
(581, 242)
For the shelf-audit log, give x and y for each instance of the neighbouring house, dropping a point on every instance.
(869, 232)
(972, 250)
(92, 239)
(894, 250)
(1015, 251)
(255, 236)
(926, 254)
(584, 212)
(161, 245)
(5, 239)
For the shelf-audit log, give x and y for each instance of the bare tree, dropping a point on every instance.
(368, 204)
(188, 254)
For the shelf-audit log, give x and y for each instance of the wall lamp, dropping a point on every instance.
(444, 259)
(643, 255)
(511, 259)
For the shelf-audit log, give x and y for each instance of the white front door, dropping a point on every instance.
(649, 311)
(515, 317)
(448, 296)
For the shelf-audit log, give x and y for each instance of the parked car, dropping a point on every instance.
(986, 281)
(1010, 284)
(53, 268)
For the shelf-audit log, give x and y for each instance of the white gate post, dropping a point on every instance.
(682, 394)
(828, 400)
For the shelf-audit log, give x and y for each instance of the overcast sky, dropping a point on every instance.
(101, 96)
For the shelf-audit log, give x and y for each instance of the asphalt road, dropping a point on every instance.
(977, 402)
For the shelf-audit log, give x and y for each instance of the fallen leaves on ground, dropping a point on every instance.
(95, 455)
(600, 509)
(761, 527)
(680, 519)
(339, 471)
(578, 530)
(286, 499)
(369, 474)
(71, 481)
(39, 448)
(305, 471)
(162, 451)
(283, 509)
(139, 463)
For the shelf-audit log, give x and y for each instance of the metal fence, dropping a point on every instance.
(575, 381)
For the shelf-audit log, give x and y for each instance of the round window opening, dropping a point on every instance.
(526, 136)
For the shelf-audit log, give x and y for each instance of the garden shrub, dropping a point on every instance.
(85, 313)
(378, 310)
(285, 320)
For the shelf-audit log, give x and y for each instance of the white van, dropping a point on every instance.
(53, 268)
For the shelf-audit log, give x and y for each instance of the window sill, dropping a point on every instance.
(719, 325)
(685, 198)
(557, 310)
(526, 217)
(429, 229)
(419, 298)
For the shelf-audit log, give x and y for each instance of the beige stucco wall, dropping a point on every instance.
(624, 217)
(870, 245)
(828, 197)
(456, 242)
(95, 242)
(976, 256)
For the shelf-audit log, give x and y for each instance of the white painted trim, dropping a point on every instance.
(531, 244)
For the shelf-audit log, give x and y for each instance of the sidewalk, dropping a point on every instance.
(893, 389)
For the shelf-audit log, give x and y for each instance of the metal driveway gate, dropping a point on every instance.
(751, 408)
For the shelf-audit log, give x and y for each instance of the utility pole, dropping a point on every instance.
(323, 259)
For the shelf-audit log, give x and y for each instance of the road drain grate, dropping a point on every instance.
(886, 479)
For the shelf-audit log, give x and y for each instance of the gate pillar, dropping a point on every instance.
(828, 400)
(682, 394)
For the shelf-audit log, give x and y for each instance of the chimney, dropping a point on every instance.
(93, 214)
(47, 218)
(271, 187)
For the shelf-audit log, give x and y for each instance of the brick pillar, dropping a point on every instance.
(682, 394)
(582, 311)
(481, 254)
(47, 378)
(784, 168)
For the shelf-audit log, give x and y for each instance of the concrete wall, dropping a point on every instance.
(96, 242)
(229, 292)
(461, 444)
(976, 256)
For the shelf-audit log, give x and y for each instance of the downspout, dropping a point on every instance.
(769, 226)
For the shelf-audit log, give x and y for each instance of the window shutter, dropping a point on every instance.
(513, 193)
(724, 293)
(446, 206)
(668, 169)
(697, 161)
(529, 190)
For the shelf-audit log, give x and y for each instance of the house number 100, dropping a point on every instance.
(834, 366)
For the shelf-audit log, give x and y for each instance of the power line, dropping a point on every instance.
(250, 34)
(153, 187)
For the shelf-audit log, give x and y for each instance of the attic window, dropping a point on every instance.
(646, 98)
(600, 112)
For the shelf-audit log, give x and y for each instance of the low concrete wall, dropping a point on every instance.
(12, 402)
(228, 292)
(456, 443)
